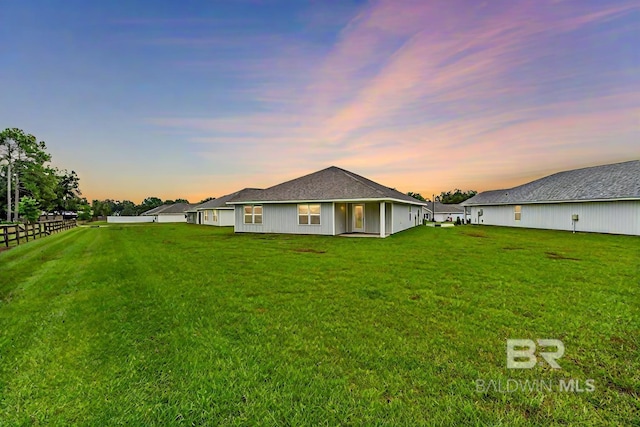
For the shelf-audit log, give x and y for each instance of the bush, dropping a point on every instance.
(29, 209)
(85, 213)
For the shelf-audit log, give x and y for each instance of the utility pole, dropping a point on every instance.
(433, 217)
(8, 190)
(16, 199)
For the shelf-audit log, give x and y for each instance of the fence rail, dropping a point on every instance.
(23, 232)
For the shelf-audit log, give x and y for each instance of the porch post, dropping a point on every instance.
(333, 217)
(382, 220)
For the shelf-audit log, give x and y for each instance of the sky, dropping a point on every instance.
(192, 99)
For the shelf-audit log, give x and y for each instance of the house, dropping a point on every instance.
(216, 211)
(601, 199)
(332, 201)
(169, 213)
(445, 212)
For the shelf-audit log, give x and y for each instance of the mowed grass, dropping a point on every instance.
(192, 325)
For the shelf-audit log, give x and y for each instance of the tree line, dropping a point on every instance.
(128, 208)
(29, 185)
(447, 197)
(28, 182)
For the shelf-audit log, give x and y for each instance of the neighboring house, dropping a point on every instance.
(332, 201)
(217, 211)
(169, 213)
(446, 212)
(602, 199)
(153, 211)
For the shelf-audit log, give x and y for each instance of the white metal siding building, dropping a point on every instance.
(332, 201)
(116, 219)
(335, 218)
(171, 217)
(217, 212)
(600, 199)
(169, 213)
(218, 217)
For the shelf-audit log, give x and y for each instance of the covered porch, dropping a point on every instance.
(363, 219)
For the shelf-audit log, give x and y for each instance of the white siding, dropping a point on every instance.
(442, 217)
(619, 217)
(402, 218)
(192, 217)
(129, 219)
(388, 225)
(172, 218)
(372, 218)
(226, 217)
(283, 218)
(341, 218)
(206, 217)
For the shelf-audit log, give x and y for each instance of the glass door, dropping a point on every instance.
(358, 218)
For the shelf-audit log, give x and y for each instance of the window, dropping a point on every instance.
(309, 214)
(517, 212)
(253, 214)
(206, 215)
(215, 216)
(257, 214)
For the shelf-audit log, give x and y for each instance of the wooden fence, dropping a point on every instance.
(23, 232)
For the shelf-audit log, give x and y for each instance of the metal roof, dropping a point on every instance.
(606, 182)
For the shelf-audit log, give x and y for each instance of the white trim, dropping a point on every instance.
(253, 215)
(383, 219)
(364, 224)
(379, 199)
(543, 202)
(333, 218)
(309, 214)
(346, 218)
(204, 209)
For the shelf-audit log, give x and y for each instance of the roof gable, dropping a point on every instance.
(332, 183)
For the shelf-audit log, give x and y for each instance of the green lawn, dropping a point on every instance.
(192, 325)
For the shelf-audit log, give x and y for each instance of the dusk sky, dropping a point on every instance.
(193, 99)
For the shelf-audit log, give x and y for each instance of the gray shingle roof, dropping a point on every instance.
(445, 208)
(221, 202)
(614, 181)
(331, 183)
(175, 208)
(154, 210)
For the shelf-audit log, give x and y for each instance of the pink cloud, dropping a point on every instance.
(420, 89)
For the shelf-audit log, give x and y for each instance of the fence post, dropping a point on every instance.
(6, 236)
(17, 234)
